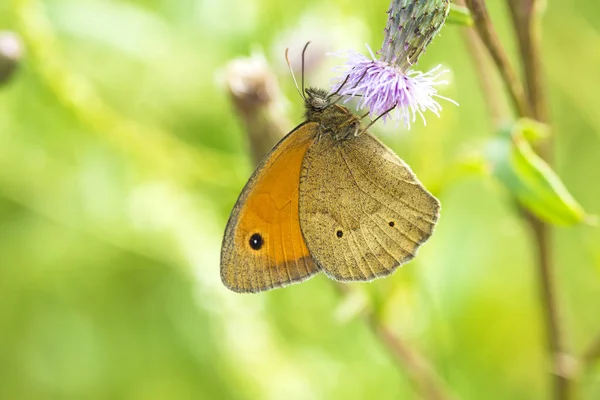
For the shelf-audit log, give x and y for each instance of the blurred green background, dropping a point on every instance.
(121, 157)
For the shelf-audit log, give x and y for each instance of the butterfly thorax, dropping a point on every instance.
(333, 119)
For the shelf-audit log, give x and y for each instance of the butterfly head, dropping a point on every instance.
(318, 104)
(317, 99)
(332, 118)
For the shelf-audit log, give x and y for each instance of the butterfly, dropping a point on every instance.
(329, 197)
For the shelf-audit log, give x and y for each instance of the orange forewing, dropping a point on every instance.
(268, 206)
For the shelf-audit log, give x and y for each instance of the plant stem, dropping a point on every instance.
(11, 51)
(482, 65)
(418, 369)
(531, 103)
(526, 20)
(560, 370)
(592, 354)
(257, 98)
(421, 374)
(488, 35)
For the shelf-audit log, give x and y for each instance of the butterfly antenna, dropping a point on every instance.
(376, 119)
(336, 93)
(287, 59)
(340, 87)
(303, 53)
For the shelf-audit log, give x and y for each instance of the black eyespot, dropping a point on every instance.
(256, 241)
(339, 234)
(392, 224)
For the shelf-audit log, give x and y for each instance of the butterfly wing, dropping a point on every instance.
(362, 210)
(263, 247)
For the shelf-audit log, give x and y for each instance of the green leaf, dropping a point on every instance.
(530, 129)
(459, 16)
(529, 178)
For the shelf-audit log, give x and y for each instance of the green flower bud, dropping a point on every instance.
(411, 26)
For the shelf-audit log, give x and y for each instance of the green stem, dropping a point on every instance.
(526, 20)
(489, 87)
(592, 354)
(421, 374)
(257, 99)
(488, 35)
(530, 103)
(10, 55)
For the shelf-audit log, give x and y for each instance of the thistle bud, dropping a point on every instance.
(11, 51)
(389, 83)
(411, 26)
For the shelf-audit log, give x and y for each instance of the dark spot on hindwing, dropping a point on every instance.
(256, 241)
(339, 234)
(392, 224)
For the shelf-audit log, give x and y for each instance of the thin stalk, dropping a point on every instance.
(482, 64)
(488, 35)
(525, 16)
(526, 20)
(425, 380)
(531, 103)
(257, 98)
(11, 51)
(418, 369)
(592, 354)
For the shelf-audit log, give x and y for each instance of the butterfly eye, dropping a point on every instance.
(256, 241)
(318, 103)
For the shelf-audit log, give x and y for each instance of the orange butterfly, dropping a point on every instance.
(328, 197)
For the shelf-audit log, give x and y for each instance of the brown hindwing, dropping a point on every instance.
(362, 210)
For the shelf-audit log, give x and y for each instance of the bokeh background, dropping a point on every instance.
(120, 159)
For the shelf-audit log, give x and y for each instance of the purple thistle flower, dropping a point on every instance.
(389, 82)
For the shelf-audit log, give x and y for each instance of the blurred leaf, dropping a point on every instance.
(459, 16)
(529, 178)
(150, 38)
(152, 147)
(578, 39)
(530, 129)
(466, 165)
